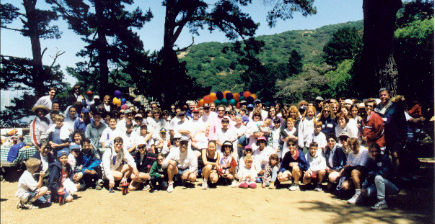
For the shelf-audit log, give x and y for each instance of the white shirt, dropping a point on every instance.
(45, 100)
(320, 139)
(110, 155)
(184, 160)
(26, 184)
(109, 135)
(262, 156)
(318, 162)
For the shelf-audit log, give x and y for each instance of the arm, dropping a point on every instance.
(106, 165)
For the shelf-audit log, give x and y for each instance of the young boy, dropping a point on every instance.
(380, 172)
(58, 136)
(29, 191)
(317, 170)
(158, 175)
(90, 169)
(60, 179)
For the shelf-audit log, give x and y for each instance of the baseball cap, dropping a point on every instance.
(319, 98)
(261, 138)
(250, 105)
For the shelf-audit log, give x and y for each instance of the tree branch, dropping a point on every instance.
(58, 54)
(185, 48)
(8, 28)
(43, 52)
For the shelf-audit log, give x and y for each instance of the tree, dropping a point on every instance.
(339, 80)
(294, 63)
(107, 29)
(345, 43)
(377, 67)
(23, 73)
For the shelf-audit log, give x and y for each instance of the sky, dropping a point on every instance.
(328, 12)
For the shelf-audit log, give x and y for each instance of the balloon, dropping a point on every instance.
(224, 101)
(236, 96)
(201, 102)
(117, 94)
(246, 94)
(233, 102)
(123, 101)
(254, 96)
(225, 93)
(124, 107)
(229, 96)
(217, 102)
(238, 105)
(116, 101)
(219, 95)
(213, 96)
(242, 98)
(207, 99)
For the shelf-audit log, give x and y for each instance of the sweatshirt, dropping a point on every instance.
(317, 162)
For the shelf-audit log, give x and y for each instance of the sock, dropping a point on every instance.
(357, 191)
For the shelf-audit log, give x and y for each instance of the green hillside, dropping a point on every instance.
(211, 67)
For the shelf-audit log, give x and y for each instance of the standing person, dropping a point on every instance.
(118, 164)
(47, 101)
(210, 160)
(261, 154)
(182, 162)
(328, 122)
(275, 136)
(344, 126)
(225, 133)
(306, 127)
(228, 162)
(392, 112)
(293, 165)
(318, 136)
(39, 126)
(70, 117)
(89, 99)
(156, 122)
(290, 132)
(372, 125)
(58, 137)
(109, 134)
(95, 129)
(106, 106)
(82, 122)
(75, 95)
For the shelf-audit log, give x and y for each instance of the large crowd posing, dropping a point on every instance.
(347, 147)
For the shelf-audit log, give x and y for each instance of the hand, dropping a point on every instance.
(162, 176)
(111, 184)
(87, 171)
(41, 174)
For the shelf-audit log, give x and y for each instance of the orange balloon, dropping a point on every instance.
(207, 99)
(225, 93)
(200, 102)
(236, 96)
(213, 96)
(254, 96)
(246, 94)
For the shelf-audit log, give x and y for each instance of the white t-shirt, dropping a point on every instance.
(109, 135)
(26, 184)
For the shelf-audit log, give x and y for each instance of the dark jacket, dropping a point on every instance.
(147, 161)
(303, 164)
(338, 158)
(55, 177)
(90, 161)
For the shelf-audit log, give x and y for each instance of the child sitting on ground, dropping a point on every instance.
(271, 171)
(317, 170)
(247, 174)
(29, 191)
(60, 179)
(157, 174)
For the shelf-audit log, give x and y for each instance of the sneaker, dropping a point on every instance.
(354, 199)
(170, 187)
(100, 184)
(234, 184)
(318, 188)
(111, 191)
(147, 187)
(294, 187)
(204, 185)
(380, 205)
(24, 205)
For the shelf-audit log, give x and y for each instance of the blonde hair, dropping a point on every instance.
(59, 117)
(32, 163)
(248, 158)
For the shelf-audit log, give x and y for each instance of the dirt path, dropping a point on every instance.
(220, 205)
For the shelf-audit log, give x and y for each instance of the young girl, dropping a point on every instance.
(318, 136)
(306, 127)
(271, 171)
(227, 164)
(211, 160)
(247, 174)
(60, 179)
(289, 133)
(29, 191)
(275, 135)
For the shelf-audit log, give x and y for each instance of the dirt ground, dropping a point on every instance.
(218, 205)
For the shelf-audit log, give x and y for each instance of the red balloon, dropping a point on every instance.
(236, 96)
(246, 94)
(207, 99)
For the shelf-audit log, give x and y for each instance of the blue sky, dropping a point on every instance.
(328, 12)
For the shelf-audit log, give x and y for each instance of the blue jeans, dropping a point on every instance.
(381, 187)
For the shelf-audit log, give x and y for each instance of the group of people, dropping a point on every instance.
(352, 146)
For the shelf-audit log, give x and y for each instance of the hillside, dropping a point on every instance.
(211, 67)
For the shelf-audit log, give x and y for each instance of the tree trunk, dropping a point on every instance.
(379, 26)
(102, 50)
(38, 72)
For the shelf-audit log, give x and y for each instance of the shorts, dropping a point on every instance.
(314, 174)
(182, 171)
(32, 195)
(348, 171)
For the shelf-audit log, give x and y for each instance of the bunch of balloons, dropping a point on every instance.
(117, 100)
(227, 97)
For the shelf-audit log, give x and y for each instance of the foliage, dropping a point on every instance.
(414, 54)
(414, 10)
(307, 85)
(339, 80)
(345, 43)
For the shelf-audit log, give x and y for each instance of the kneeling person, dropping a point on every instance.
(317, 170)
(293, 165)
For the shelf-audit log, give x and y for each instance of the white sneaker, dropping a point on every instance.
(354, 199)
(294, 187)
(234, 184)
(318, 188)
(380, 205)
(170, 187)
(204, 185)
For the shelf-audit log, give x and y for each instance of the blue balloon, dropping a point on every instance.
(123, 101)
(229, 96)
(219, 95)
(233, 102)
(224, 101)
(217, 102)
